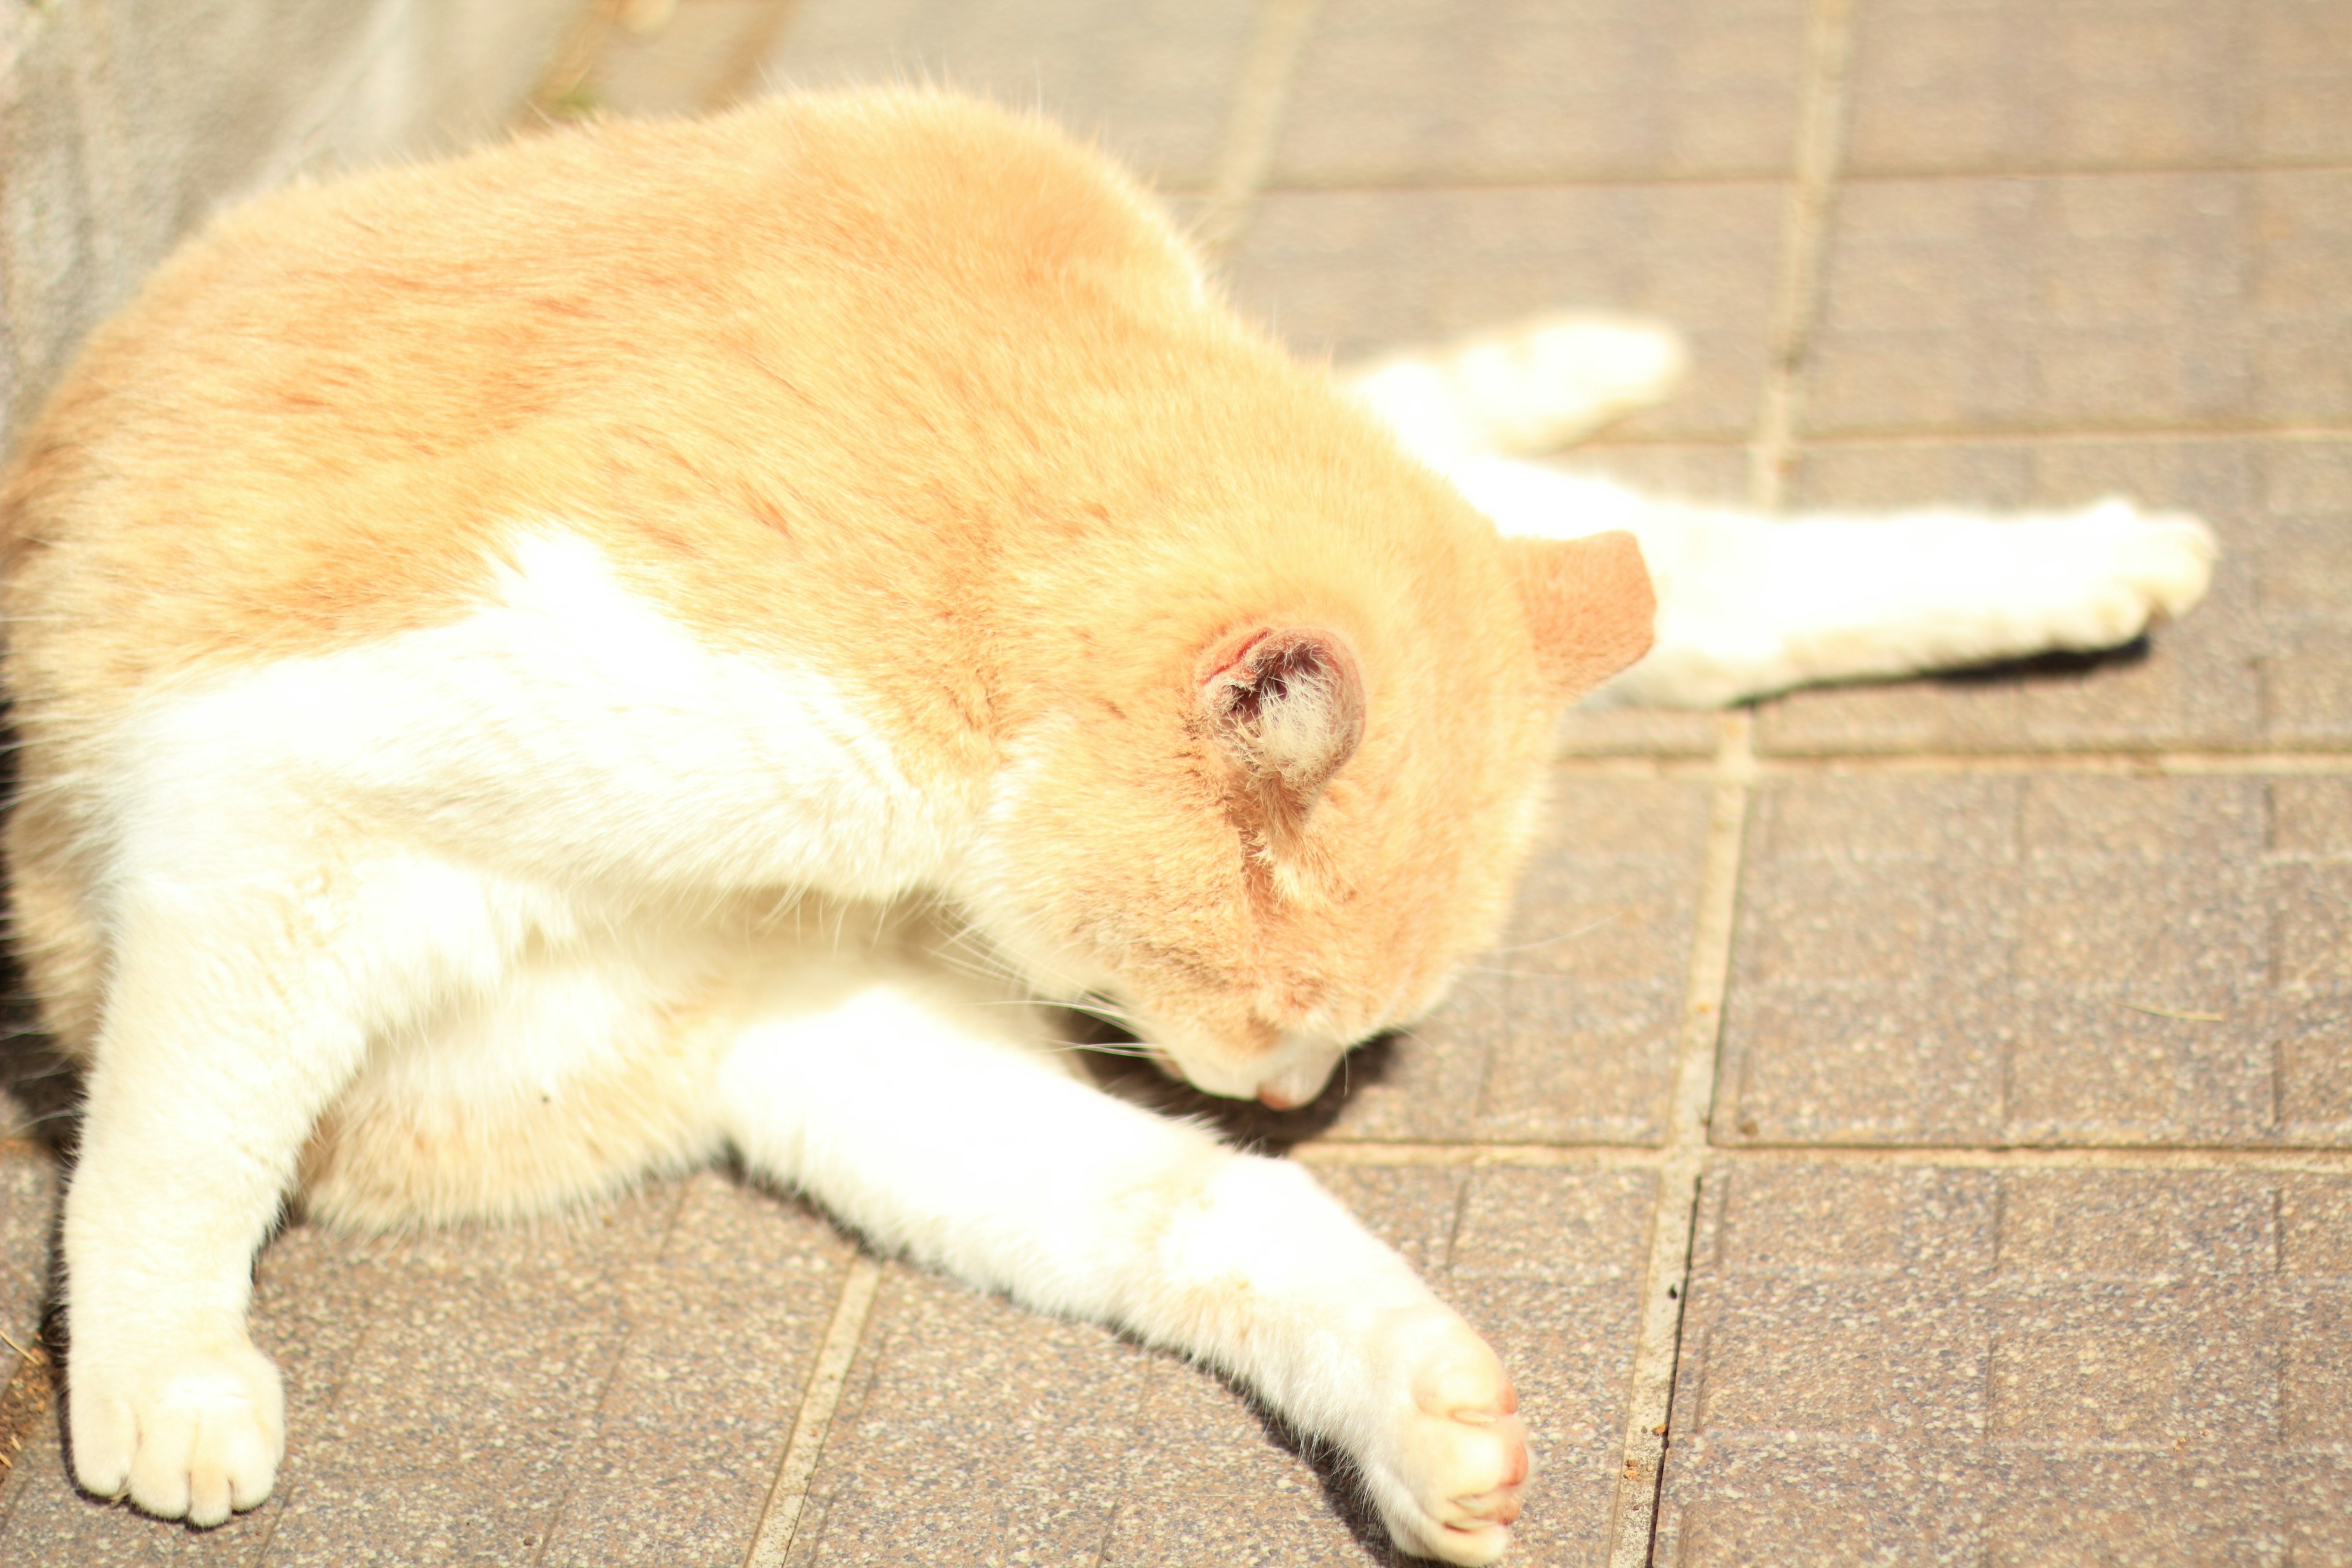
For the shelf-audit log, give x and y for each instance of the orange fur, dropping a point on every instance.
(891, 381)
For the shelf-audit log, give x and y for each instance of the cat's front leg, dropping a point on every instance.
(239, 1003)
(906, 1110)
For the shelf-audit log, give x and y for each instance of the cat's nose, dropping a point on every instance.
(1273, 1099)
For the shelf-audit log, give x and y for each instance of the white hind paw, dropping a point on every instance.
(1447, 1483)
(1530, 388)
(2128, 568)
(190, 1436)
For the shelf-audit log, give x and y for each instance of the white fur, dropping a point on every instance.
(1531, 389)
(470, 867)
(1750, 604)
(475, 865)
(984, 1161)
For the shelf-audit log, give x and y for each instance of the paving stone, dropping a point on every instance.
(2015, 85)
(972, 1431)
(2265, 660)
(726, 1322)
(1416, 91)
(1949, 1366)
(1353, 273)
(1150, 79)
(1566, 1032)
(2051, 958)
(29, 1193)
(613, 1387)
(2138, 300)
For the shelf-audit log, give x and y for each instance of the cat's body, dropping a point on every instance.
(524, 668)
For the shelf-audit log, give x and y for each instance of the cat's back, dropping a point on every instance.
(760, 350)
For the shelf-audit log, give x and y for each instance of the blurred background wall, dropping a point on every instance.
(124, 124)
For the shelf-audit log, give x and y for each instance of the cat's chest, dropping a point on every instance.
(567, 724)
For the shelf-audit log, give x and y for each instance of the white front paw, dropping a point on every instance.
(1447, 1478)
(191, 1434)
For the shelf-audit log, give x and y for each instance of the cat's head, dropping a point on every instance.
(1282, 834)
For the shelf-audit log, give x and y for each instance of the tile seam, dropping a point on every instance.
(780, 1518)
(1417, 181)
(2079, 435)
(1681, 1162)
(605, 1387)
(1804, 248)
(1252, 132)
(1892, 171)
(2319, 1159)
(2317, 762)
(1804, 251)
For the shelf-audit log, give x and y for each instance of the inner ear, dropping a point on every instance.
(1588, 603)
(1285, 704)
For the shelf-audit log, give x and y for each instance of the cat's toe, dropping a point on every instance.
(196, 1437)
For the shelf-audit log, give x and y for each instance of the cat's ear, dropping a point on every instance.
(1589, 604)
(1286, 705)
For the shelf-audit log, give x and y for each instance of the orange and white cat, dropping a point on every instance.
(523, 665)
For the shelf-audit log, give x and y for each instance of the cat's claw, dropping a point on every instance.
(195, 1437)
(1450, 1487)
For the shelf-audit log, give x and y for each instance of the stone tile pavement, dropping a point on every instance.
(1906, 1124)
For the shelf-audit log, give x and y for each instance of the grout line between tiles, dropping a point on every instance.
(1804, 251)
(1657, 1352)
(622, 1345)
(2313, 1159)
(2077, 435)
(781, 1518)
(1682, 1161)
(1564, 176)
(1253, 128)
(2137, 764)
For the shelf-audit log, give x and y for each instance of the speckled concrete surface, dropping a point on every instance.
(1906, 1124)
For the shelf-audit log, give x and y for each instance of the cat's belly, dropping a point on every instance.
(589, 1066)
(595, 1059)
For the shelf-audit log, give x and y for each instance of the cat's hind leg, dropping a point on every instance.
(1749, 604)
(1529, 388)
(918, 1115)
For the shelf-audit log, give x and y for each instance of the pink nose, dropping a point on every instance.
(1273, 1099)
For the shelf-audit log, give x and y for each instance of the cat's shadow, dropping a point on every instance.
(1115, 1069)
(2056, 666)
